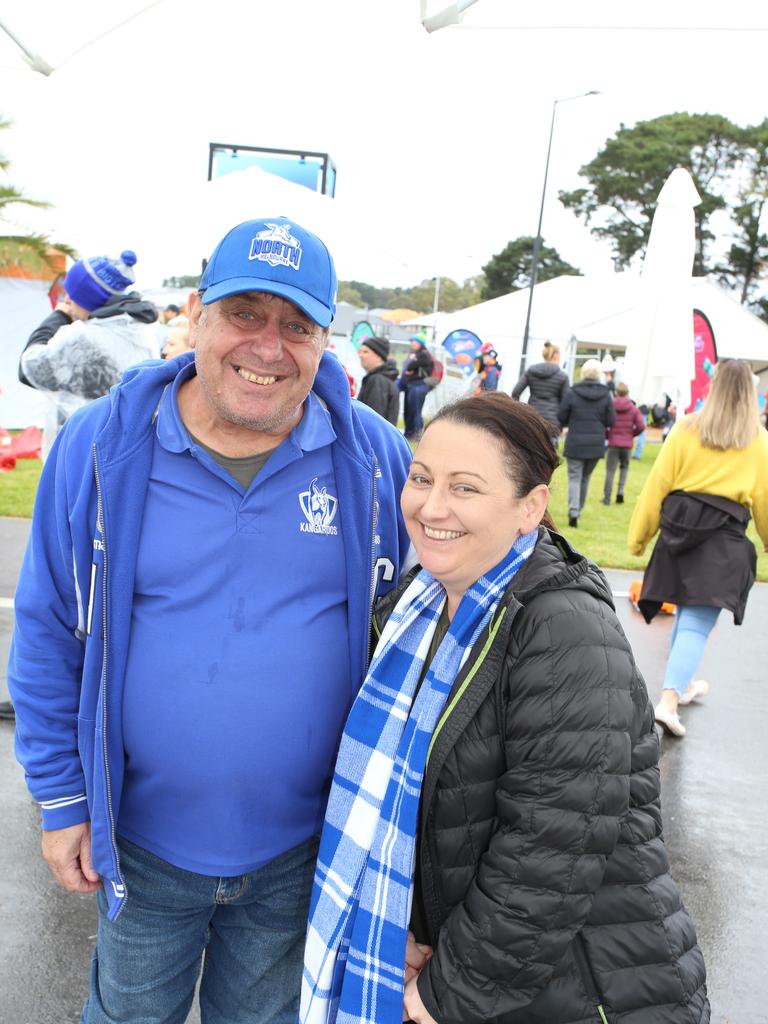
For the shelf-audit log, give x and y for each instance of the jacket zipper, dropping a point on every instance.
(100, 521)
(492, 631)
(587, 977)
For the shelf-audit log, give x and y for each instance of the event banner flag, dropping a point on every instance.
(361, 333)
(705, 355)
(463, 346)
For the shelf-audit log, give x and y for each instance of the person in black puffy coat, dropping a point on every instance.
(588, 411)
(547, 385)
(542, 891)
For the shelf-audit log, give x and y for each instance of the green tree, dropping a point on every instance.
(420, 297)
(368, 293)
(347, 293)
(28, 248)
(626, 176)
(452, 295)
(510, 269)
(472, 291)
(184, 281)
(748, 255)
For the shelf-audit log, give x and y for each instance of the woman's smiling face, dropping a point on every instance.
(460, 505)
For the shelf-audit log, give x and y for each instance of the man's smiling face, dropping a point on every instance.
(256, 356)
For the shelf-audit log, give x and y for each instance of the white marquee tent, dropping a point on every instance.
(598, 312)
(23, 305)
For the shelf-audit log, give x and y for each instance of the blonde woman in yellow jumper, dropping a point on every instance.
(710, 477)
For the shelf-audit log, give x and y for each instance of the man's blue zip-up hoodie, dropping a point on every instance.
(74, 596)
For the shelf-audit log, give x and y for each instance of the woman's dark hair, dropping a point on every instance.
(525, 437)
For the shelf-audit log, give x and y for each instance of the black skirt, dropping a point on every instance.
(702, 556)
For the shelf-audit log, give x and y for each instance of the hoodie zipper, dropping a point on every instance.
(369, 646)
(374, 520)
(100, 522)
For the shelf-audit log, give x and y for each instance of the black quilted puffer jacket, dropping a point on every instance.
(543, 877)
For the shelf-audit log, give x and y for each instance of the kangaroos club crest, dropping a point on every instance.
(277, 247)
(319, 508)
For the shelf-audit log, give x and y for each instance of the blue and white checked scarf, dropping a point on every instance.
(354, 961)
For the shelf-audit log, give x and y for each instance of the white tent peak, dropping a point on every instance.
(679, 189)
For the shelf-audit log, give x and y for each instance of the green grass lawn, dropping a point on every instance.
(601, 533)
(602, 530)
(18, 488)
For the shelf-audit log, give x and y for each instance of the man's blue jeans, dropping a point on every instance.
(250, 929)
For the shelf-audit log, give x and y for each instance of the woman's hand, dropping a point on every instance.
(416, 955)
(413, 1008)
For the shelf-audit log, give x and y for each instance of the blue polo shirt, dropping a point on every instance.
(237, 679)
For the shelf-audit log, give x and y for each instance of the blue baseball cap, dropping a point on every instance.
(278, 256)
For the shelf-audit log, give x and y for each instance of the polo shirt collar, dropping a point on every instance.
(313, 431)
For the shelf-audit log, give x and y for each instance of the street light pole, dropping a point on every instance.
(435, 308)
(537, 241)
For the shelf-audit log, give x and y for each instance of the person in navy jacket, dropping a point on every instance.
(192, 626)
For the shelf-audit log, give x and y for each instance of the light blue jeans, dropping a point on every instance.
(250, 929)
(693, 624)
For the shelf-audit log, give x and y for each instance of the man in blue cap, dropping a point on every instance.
(192, 625)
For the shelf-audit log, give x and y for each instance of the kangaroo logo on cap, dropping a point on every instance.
(276, 246)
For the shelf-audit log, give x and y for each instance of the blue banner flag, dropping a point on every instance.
(464, 347)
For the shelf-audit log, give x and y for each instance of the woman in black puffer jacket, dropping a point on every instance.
(542, 892)
(547, 385)
(588, 411)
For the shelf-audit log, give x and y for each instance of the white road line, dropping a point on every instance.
(6, 602)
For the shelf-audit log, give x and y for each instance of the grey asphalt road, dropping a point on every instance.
(715, 783)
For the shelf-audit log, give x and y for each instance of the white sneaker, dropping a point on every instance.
(670, 722)
(698, 688)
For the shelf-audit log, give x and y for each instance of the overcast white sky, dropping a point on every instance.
(440, 140)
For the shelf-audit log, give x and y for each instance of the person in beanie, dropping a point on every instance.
(417, 367)
(379, 387)
(629, 424)
(180, 693)
(94, 334)
(490, 370)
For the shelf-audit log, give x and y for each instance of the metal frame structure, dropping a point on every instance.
(326, 164)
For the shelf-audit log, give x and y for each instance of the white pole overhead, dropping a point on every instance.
(34, 60)
(451, 15)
